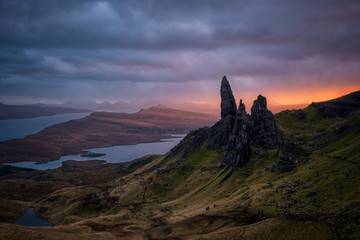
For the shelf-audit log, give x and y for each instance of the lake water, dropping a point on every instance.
(114, 154)
(31, 220)
(18, 128)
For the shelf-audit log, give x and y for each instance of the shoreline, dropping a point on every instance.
(152, 139)
(123, 153)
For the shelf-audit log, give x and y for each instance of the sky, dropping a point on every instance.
(176, 52)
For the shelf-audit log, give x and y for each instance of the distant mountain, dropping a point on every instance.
(120, 106)
(102, 129)
(197, 107)
(29, 111)
(276, 107)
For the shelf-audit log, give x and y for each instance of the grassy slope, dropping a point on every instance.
(191, 199)
(319, 189)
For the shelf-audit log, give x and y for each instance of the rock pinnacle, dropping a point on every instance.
(228, 105)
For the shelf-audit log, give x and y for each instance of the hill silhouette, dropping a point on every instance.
(30, 111)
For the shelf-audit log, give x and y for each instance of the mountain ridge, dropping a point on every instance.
(339, 107)
(30, 111)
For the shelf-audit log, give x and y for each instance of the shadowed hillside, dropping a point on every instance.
(339, 107)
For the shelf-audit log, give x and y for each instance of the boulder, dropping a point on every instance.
(290, 156)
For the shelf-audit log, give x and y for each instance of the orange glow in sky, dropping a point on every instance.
(300, 96)
(277, 100)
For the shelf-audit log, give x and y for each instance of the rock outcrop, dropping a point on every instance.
(239, 132)
(238, 147)
(219, 133)
(235, 132)
(264, 131)
(228, 105)
(290, 156)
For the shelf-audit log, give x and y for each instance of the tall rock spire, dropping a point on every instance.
(264, 130)
(237, 130)
(228, 105)
(238, 148)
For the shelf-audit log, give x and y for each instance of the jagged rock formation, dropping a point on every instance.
(219, 133)
(290, 156)
(264, 131)
(259, 129)
(235, 132)
(228, 105)
(238, 148)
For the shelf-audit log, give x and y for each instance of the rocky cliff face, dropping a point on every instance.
(238, 147)
(228, 105)
(264, 131)
(239, 132)
(219, 133)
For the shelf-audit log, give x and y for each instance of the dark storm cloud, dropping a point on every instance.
(67, 44)
(178, 24)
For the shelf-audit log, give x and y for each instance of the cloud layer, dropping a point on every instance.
(166, 49)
